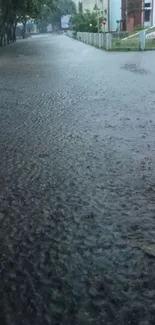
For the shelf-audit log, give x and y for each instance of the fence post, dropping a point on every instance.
(100, 40)
(104, 40)
(108, 41)
(87, 38)
(95, 39)
(92, 39)
(142, 38)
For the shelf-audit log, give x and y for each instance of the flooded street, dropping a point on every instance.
(77, 184)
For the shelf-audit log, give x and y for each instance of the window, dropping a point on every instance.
(147, 5)
(147, 15)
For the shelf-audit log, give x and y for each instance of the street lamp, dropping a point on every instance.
(118, 21)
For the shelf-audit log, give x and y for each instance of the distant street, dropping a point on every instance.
(77, 184)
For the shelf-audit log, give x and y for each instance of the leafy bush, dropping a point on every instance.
(139, 28)
(86, 22)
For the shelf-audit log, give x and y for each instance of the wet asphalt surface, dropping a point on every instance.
(77, 184)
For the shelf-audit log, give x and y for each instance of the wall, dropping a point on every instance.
(114, 13)
(90, 4)
(147, 15)
(153, 16)
(152, 13)
(135, 12)
(130, 24)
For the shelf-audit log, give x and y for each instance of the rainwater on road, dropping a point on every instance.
(77, 184)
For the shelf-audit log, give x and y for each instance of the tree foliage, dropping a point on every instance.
(13, 11)
(66, 7)
(84, 22)
(53, 11)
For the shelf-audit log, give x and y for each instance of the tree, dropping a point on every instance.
(63, 7)
(66, 7)
(27, 9)
(86, 22)
(14, 11)
(45, 17)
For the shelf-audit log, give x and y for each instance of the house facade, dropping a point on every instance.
(149, 13)
(131, 13)
(137, 13)
(101, 7)
(115, 14)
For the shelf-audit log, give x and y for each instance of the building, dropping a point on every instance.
(137, 13)
(101, 7)
(109, 9)
(149, 13)
(90, 5)
(130, 13)
(115, 14)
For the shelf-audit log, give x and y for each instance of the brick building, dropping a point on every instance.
(137, 13)
(132, 13)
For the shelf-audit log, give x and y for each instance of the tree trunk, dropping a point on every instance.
(4, 38)
(8, 34)
(11, 33)
(24, 30)
(14, 32)
(1, 40)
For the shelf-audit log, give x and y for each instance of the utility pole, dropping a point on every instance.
(126, 12)
(98, 24)
(97, 16)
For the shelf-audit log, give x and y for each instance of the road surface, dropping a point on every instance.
(77, 184)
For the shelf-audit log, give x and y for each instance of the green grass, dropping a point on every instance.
(125, 49)
(125, 44)
(131, 44)
(150, 44)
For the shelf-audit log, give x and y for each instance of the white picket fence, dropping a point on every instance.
(95, 39)
(106, 40)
